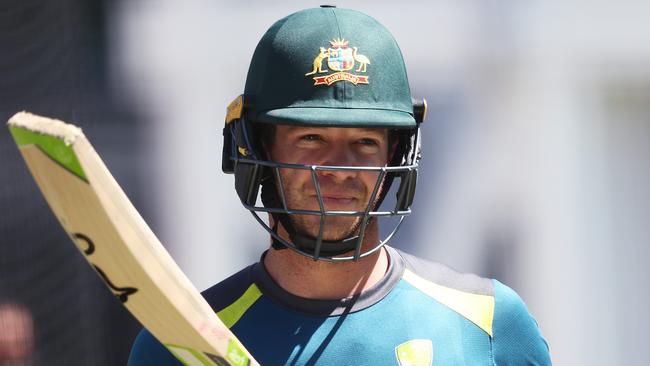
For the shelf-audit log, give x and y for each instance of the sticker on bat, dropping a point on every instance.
(236, 354)
(217, 359)
(91, 246)
(122, 293)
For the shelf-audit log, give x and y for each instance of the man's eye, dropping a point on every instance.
(368, 141)
(311, 137)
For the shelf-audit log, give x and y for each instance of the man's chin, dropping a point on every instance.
(332, 233)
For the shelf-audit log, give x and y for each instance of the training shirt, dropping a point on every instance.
(420, 314)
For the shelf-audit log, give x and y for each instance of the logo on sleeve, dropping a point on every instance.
(340, 59)
(416, 352)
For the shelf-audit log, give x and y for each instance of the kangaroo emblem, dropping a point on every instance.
(362, 59)
(341, 64)
(318, 62)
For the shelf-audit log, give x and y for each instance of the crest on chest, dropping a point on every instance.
(416, 352)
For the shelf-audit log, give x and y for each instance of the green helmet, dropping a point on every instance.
(323, 67)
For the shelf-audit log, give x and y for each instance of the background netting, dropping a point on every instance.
(53, 309)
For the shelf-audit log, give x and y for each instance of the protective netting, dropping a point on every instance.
(54, 310)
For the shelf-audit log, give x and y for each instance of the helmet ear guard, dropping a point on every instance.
(410, 154)
(248, 178)
(227, 164)
(406, 191)
(234, 112)
(419, 109)
(237, 145)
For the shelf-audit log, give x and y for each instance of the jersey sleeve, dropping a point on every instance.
(516, 336)
(147, 351)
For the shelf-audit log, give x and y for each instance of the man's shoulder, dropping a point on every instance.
(506, 301)
(229, 290)
(467, 295)
(443, 275)
(488, 303)
(517, 337)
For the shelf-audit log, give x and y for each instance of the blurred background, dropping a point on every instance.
(536, 156)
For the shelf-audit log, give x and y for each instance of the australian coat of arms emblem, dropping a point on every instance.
(340, 59)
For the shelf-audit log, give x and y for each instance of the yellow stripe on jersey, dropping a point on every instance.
(479, 309)
(233, 312)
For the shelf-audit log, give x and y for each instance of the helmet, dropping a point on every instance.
(326, 67)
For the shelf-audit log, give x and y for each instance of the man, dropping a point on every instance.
(325, 128)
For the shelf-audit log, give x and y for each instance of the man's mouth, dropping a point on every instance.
(337, 199)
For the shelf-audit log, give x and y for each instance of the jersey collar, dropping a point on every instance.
(367, 298)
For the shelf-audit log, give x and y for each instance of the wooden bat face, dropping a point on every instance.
(125, 253)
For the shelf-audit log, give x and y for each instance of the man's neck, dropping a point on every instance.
(304, 277)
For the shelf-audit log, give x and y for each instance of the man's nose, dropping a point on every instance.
(340, 156)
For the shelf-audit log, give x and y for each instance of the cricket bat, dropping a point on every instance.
(120, 246)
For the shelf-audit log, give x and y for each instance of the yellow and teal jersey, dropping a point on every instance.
(420, 314)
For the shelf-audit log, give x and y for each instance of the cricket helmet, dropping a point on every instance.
(325, 67)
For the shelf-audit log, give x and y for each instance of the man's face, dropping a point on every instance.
(342, 190)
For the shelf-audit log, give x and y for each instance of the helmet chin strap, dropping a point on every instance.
(303, 242)
(307, 243)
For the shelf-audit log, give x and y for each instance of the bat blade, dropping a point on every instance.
(119, 245)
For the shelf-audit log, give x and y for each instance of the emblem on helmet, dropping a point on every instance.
(340, 58)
